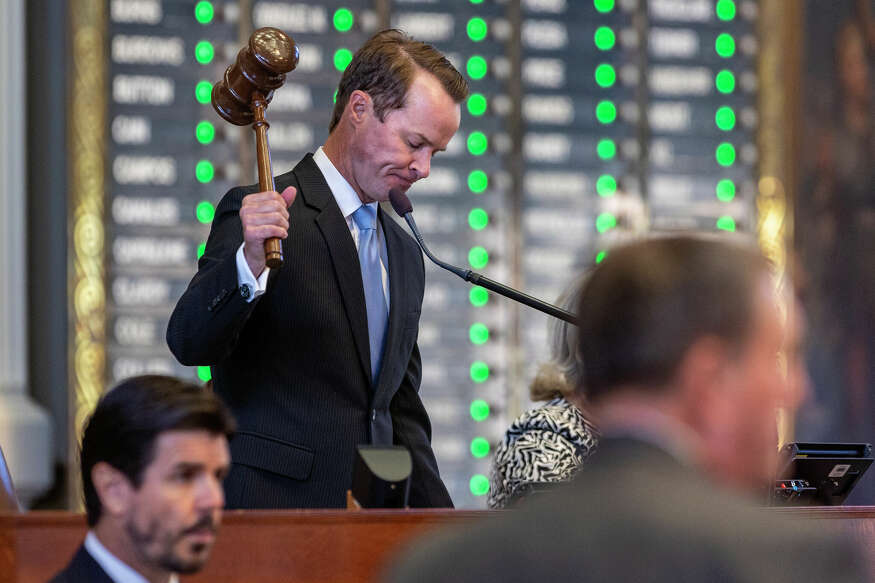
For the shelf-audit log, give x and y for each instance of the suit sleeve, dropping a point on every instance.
(412, 429)
(208, 318)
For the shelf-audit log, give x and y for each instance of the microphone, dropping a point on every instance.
(404, 208)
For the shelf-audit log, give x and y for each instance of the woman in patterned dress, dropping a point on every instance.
(548, 444)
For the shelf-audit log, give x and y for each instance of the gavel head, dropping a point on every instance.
(260, 68)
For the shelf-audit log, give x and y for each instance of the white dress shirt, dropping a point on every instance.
(117, 570)
(348, 201)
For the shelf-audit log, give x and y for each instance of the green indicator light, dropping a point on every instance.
(203, 373)
(203, 12)
(479, 409)
(725, 81)
(606, 111)
(725, 154)
(479, 484)
(205, 132)
(479, 447)
(725, 9)
(476, 1)
(205, 211)
(204, 52)
(606, 185)
(478, 219)
(202, 92)
(604, 38)
(725, 118)
(478, 333)
(479, 371)
(601, 256)
(477, 143)
(605, 75)
(725, 190)
(603, 6)
(476, 104)
(477, 29)
(476, 67)
(606, 149)
(204, 171)
(725, 45)
(342, 58)
(478, 181)
(478, 296)
(605, 222)
(335, 96)
(725, 223)
(201, 249)
(478, 257)
(343, 19)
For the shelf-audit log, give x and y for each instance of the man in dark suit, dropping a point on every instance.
(680, 340)
(320, 355)
(153, 457)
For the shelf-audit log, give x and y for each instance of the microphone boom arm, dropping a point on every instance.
(490, 284)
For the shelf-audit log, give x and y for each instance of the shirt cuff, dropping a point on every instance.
(246, 280)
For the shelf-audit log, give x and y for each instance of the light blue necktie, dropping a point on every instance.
(365, 218)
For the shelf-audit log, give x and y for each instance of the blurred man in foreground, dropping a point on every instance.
(153, 458)
(686, 358)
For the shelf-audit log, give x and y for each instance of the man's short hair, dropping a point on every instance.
(129, 418)
(384, 68)
(647, 303)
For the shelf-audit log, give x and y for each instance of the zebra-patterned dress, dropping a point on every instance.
(543, 446)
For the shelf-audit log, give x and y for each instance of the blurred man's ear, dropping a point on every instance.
(702, 383)
(113, 488)
(703, 365)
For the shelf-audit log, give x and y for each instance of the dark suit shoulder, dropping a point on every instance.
(233, 199)
(82, 569)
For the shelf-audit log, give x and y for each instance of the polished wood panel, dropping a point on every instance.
(303, 546)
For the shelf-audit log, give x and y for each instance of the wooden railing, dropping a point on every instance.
(300, 545)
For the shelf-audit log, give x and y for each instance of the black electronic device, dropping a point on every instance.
(381, 476)
(819, 474)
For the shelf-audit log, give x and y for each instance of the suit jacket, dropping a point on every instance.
(294, 364)
(635, 514)
(82, 569)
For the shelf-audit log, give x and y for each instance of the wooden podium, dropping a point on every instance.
(302, 545)
(253, 546)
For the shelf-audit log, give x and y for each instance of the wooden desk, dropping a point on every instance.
(304, 546)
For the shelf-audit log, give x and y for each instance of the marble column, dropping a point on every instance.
(25, 431)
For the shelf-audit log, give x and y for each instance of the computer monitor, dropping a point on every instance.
(819, 474)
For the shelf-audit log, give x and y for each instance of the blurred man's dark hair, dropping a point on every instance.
(129, 418)
(646, 304)
(384, 68)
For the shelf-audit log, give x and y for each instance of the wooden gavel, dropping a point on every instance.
(241, 98)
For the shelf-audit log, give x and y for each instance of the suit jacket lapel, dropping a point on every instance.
(398, 308)
(83, 567)
(341, 247)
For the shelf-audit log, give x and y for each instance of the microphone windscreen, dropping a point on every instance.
(400, 202)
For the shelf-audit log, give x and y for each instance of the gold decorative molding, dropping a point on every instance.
(779, 44)
(86, 273)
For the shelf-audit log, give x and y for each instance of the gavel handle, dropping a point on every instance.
(273, 248)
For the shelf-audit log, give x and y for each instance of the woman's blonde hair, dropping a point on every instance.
(561, 375)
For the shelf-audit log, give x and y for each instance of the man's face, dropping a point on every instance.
(768, 374)
(396, 152)
(174, 515)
